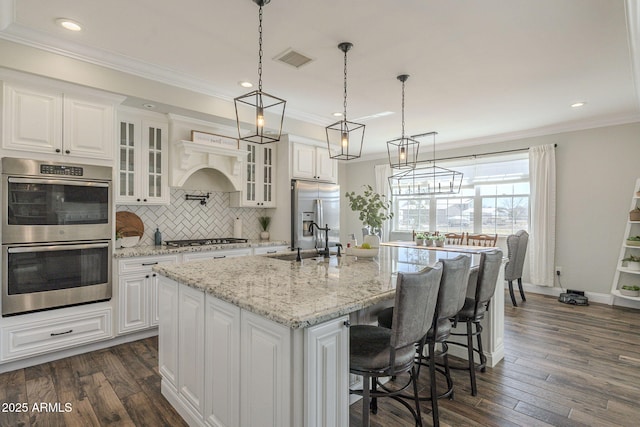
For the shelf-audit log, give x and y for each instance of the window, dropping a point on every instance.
(494, 198)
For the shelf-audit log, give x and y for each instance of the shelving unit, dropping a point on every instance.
(623, 275)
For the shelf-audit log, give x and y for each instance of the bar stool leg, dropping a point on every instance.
(432, 385)
(520, 287)
(513, 297)
(366, 398)
(414, 379)
(483, 358)
(470, 356)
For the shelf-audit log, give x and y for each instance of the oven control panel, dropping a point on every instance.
(61, 170)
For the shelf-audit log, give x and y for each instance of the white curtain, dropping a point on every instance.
(383, 172)
(542, 243)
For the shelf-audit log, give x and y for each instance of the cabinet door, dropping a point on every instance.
(265, 366)
(267, 176)
(133, 302)
(326, 167)
(222, 371)
(88, 128)
(327, 374)
(304, 161)
(32, 120)
(191, 344)
(127, 181)
(168, 332)
(154, 176)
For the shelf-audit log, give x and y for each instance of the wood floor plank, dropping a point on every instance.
(104, 400)
(118, 376)
(14, 390)
(45, 407)
(141, 410)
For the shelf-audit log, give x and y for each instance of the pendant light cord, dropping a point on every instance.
(402, 141)
(260, 50)
(344, 114)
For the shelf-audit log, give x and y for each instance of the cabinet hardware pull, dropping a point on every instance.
(57, 150)
(347, 323)
(272, 252)
(67, 152)
(55, 334)
(146, 277)
(219, 257)
(150, 263)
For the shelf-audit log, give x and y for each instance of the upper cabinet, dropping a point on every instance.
(313, 163)
(142, 166)
(57, 124)
(259, 177)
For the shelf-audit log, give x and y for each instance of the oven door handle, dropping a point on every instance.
(58, 182)
(27, 249)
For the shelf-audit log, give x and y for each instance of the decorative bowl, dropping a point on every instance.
(633, 242)
(129, 242)
(366, 253)
(629, 293)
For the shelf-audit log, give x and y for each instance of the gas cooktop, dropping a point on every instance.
(204, 242)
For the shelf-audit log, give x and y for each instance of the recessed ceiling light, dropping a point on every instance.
(149, 106)
(69, 24)
(578, 104)
(337, 114)
(245, 84)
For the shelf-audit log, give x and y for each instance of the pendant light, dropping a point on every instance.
(403, 151)
(426, 180)
(263, 112)
(345, 138)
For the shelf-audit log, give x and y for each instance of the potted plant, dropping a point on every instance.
(630, 290)
(373, 208)
(633, 241)
(118, 239)
(439, 240)
(428, 240)
(264, 221)
(420, 239)
(633, 262)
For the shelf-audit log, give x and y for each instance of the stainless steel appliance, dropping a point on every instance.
(56, 235)
(314, 202)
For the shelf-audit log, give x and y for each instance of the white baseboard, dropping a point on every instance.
(595, 297)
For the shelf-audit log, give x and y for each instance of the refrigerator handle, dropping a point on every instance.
(319, 220)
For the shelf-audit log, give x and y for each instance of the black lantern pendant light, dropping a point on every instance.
(263, 112)
(345, 138)
(403, 151)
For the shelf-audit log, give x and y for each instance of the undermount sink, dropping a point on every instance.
(293, 255)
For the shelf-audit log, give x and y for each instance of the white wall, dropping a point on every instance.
(596, 173)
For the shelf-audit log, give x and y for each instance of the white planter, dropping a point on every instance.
(419, 242)
(264, 235)
(629, 293)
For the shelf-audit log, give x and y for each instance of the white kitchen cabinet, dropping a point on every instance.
(259, 177)
(222, 371)
(201, 256)
(142, 167)
(168, 333)
(47, 121)
(313, 163)
(265, 399)
(191, 315)
(326, 362)
(39, 333)
(138, 292)
(624, 275)
(263, 250)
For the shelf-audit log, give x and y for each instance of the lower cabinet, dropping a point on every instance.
(138, 292)
(223, 366)
(39, 333)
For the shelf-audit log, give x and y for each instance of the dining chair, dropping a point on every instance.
(486, 240)
(382, 352)
(454, 238)
(517, 247)
(482, 286)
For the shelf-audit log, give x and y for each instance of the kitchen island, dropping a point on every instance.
(259, 340)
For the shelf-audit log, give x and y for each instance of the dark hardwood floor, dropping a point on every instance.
(564, 366)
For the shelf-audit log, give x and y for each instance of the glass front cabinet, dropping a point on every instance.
(142, 169)
(258, 177)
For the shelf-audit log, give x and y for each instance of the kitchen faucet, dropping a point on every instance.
(326, 236)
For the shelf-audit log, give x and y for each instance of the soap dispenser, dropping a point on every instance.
(158, 237)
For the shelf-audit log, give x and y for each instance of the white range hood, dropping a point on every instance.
(189, 157)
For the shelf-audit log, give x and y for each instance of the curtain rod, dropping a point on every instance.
(475, 155)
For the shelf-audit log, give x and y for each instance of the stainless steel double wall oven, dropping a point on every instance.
(56, 235)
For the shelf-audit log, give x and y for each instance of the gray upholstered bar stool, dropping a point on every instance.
(482, 285)
(517, 246)
(381, 352)
(451, 297)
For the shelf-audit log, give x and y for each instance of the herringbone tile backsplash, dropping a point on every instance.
(188, 219)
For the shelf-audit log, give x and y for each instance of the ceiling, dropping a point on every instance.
(480, 71)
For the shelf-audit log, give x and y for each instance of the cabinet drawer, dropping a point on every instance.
(199, 256)
(270, 250)
(137, 265)
(45, 336)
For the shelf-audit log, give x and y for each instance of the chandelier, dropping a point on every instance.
(403, 151)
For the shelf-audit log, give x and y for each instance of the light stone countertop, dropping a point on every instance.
(302, 294)
(150, 250)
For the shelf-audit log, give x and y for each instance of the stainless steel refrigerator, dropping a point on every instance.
(314, 202)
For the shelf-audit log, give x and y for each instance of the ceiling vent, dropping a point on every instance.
(293, 58)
